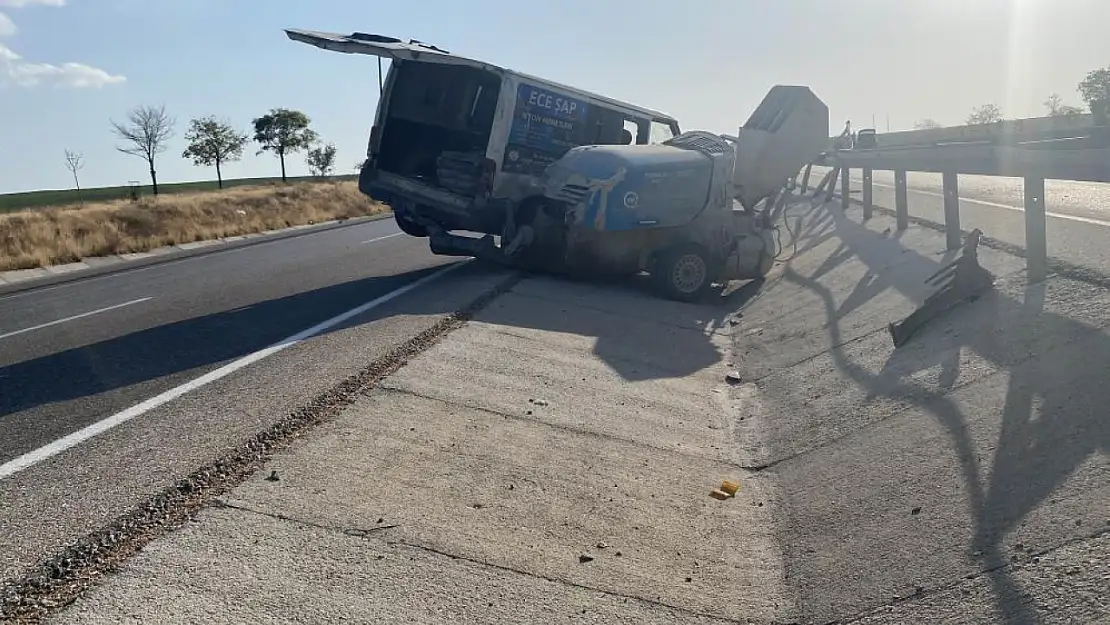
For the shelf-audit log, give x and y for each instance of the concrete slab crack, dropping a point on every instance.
(556, 426)
(372, 534)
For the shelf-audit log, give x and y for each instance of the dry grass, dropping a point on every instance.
(53, 236)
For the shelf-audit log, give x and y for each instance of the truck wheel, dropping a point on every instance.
(684, 273)
(409, 226)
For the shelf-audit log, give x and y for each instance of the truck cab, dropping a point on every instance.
(459, 144)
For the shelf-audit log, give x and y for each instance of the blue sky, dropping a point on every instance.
(68, 66)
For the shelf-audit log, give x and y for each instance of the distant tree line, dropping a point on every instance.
(213, 141)
(1094, 90)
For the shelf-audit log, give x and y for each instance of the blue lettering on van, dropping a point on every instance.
(545, 125)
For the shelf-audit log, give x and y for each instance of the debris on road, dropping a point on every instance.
(585, 557)
(730, 487)
(964, 279)
(733, 377)
(273, 477)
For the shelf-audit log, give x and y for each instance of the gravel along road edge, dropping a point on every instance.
(61, 577)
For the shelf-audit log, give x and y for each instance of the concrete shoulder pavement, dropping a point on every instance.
(961, 478)
(551, 461)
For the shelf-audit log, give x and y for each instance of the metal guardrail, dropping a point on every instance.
(1032, 165)
(1034, 150)
(1055, 159)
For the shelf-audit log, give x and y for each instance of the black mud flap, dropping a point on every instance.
(961, 280)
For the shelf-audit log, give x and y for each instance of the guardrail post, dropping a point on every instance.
(834, 178)
(952, 210)
(901, 204)
(1036, 245)
(845, 189)
(867, 200)
(805, 178)
(827, 184)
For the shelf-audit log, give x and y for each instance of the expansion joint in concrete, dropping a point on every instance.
(372, 534)
(386, 388)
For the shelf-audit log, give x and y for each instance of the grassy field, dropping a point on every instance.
(53, 235)
(39, 199)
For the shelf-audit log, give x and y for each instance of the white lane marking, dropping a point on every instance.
(74, 317)
(32, 458)
(388, 236)
(1011, 207)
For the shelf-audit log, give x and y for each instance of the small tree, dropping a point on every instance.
(321, 160)
(146, 132)
(282, 131)
(74, 163)
(986, 114)
(1095, 91)
(1057, 108)
(1053, 104)
(926, 124)
(213, 142)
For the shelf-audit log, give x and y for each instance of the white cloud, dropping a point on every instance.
(7, 26)
(15, 4)
(15, 69)
(76, 75)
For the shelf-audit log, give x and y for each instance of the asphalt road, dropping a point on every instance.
(1078, 227)
(146, 331)
(75, 354)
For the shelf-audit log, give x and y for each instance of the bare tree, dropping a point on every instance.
(213, 142)
(321, 160)
(74, 163)
(1057, 108)
(927, 124)
(358, 166)
(145, 134)
(1053, 104)
(986, 114)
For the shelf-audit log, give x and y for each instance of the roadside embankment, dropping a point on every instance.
(52, 236)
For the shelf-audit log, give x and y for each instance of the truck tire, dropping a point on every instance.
(408, 226)
(684, 272)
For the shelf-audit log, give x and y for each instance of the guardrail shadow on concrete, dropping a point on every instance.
(34, 393)
(1053, 417)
